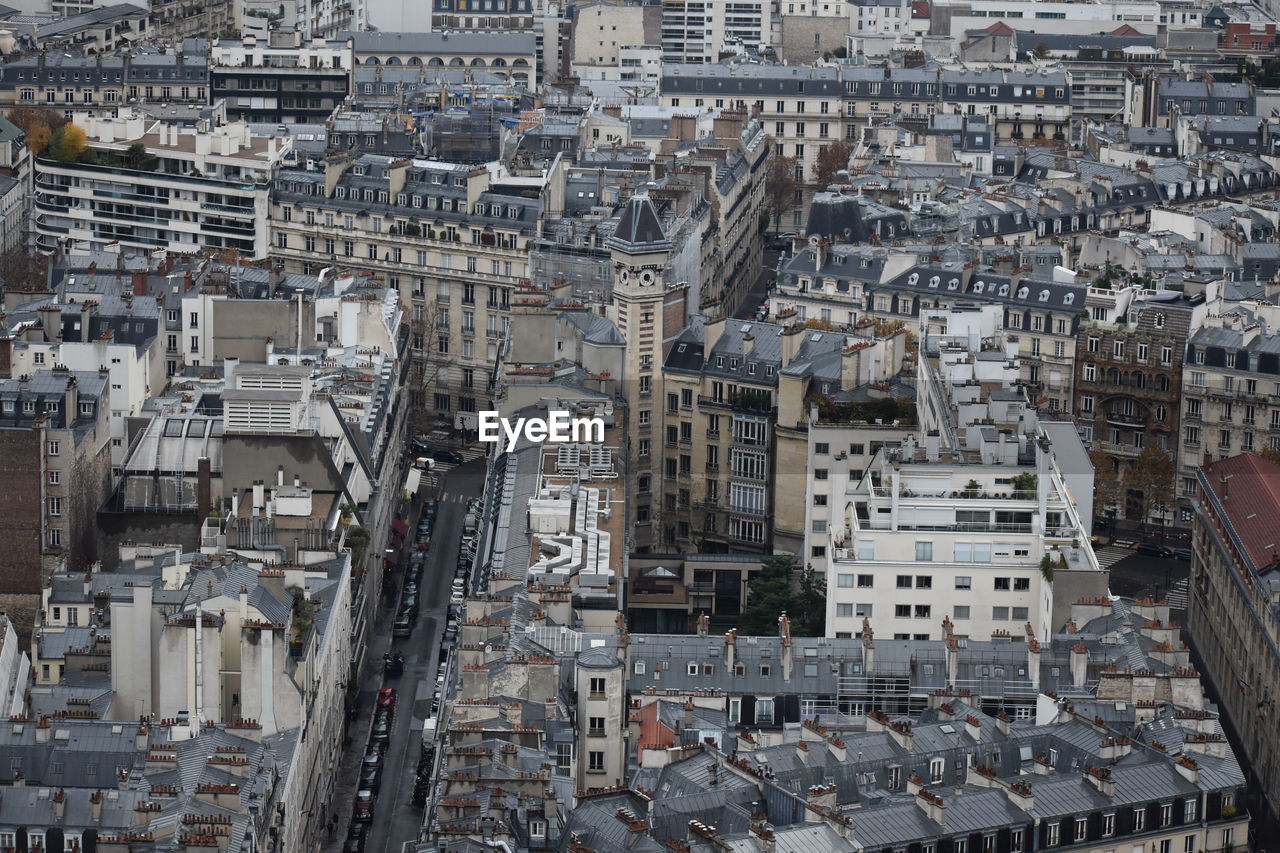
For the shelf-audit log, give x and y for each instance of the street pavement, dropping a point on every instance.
(1139, 575)
(759, 288)
(396, 821)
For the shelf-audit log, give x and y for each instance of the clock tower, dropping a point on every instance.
(640, 251)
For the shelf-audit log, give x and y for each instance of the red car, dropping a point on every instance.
(364, 807)
(387, 697)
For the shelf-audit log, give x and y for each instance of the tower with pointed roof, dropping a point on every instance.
(640, 251)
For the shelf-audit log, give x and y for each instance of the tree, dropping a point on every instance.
(1270, 454)
(810, 605)
(136, 157)
(1107, 487)
(768, 596)
(38, 125)
(67, 144)
(1040, 50)
(771, 593)
(780, 186)
(428, 363)
(22, 271)
(1152, 477)
(832, 157)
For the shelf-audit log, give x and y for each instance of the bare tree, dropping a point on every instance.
(23, 271)
(1152, 477)
(1269, 454)
(428, 362)
(780, 187)
(832, 157)
(1107, 487)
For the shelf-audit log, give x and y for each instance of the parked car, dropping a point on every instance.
(371, 777)
(442, 454)
(429, 507)
(381, 728)
(1151, 549)
(357, 835)
(782, 241)
(1182, 554)
(364, 806)
(457, 598)
(387, 697)
(402, 627)
(411, 587)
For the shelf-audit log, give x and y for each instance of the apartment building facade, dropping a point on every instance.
(1129, 378)
(54, 446)
(850, 285)
(1230, 400)
(451, 239)
(190, 191)
(799, 107)
(1231, 607)
(513, 55)
(280, 80)
(1020, 105)
(961, 527)
(103, 85)
(176, 20)
(703, 31)
(836, 440)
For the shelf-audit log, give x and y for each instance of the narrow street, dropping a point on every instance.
(395, 819)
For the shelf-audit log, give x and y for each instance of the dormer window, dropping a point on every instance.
(1044, 296)
(1004, 290)
(1068, 299)
(979, 286)
(953, 284)
(913, 278)
(1023, 292)
(934, 281)
(358, 171)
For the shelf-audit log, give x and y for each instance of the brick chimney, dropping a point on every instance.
(139, 282)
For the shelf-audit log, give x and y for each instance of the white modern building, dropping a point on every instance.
(704, 30)
(954, 17)
(188, 190)
(962, 528)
